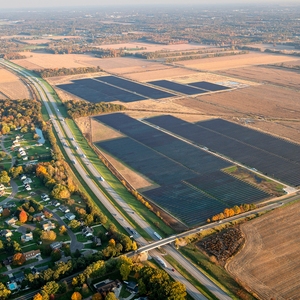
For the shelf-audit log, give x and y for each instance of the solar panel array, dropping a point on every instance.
(209, 86)
(169, 161)
(177, 87)
(149, 92)
(272, 156)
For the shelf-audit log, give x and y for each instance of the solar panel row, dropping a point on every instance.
(177, 87)
(272, 156)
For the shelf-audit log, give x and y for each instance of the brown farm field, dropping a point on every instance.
(235, 61)
(270, 74)
(11, 87)
(268, 263)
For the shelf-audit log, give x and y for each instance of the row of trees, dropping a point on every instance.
(44, 73)
(230, 212)
(78, 109)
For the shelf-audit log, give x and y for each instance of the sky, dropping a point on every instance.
(69, 3)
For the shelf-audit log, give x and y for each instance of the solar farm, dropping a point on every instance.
(270, 155)
(192, 185)
(112, 88)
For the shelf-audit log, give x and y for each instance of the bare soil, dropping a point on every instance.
(269, 263)
(270, 74)
(235, 61)
(11, 87)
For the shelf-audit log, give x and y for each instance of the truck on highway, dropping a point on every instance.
(157, 235)
(161, 261)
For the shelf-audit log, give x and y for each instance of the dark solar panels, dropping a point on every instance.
(228, 189)
(186, 203)
(177, 150)
(155, 166)
(209, 86)
(138, 88)
(177, 87)
(95, 91)
(270, 155)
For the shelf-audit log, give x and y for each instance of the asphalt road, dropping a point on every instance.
(196, 273)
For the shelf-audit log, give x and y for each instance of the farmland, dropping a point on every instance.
(268, 262)
(184, 172)
(11, 87)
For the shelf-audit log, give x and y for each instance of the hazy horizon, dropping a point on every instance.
(30, 4)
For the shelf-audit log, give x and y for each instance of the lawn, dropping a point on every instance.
(179, 268)
(147, 215)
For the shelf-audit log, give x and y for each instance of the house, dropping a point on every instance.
(48, 226)
(107, 285)
(32, 254)
(27, 237)
(132, 287)
(64, 209)
(55, 203)
(6, 233)
(55, 245)
(1, 209)
(2, 187)
(8, 261)
(23, 177)
(11, 221)
(39, 217)
(87, 231)
(28, 188)
(19, 277)
(27, 180)
(70, 216)
(38, 270)
(25, 158)
(97, 241)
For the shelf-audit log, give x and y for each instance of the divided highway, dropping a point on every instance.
(66, 138)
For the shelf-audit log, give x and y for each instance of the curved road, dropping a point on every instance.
(47, 97)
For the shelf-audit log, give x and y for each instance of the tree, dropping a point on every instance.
(19, 259)
(125, 271)
(23, 216)
(97, 296)
(111, 296)
(16, 171)
(76, 296)
(38, 296)
(60, 191)
(17, 247)
(62, 230)
(4, 178)
(48, 235)
(55, 255)
(4, 292)
(74, 224)
(50, 288)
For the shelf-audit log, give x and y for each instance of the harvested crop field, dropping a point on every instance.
(164, 73)
(268, 263)
(124, 65)
(270, 74)
(235, 61)
(131, 47)
(11, 87)
(46, 60)
(262, 100)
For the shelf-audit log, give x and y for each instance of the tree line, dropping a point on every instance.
(230, 212)
(51, 72)
(78, 109)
